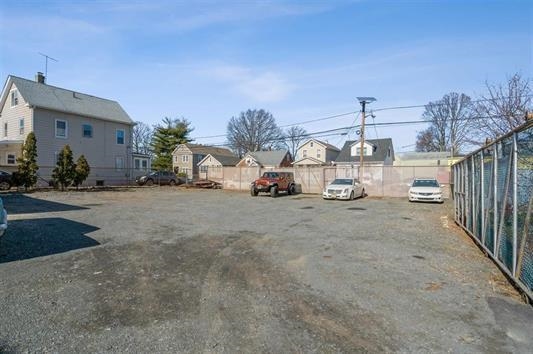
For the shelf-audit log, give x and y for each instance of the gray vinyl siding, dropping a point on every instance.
(100, 151)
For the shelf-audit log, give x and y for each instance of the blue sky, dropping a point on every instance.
(301, 60)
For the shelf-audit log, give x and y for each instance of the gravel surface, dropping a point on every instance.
(174, 270)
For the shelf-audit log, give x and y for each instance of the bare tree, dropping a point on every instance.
(141, 138)
(253, 130)
(293, 138)
(503, 107)
(450, 122)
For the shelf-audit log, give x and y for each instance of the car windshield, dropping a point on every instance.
(347, 181)
(425, 183)
(270, 175)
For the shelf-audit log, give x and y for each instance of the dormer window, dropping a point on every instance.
(14, 98)
(311, 144)
(358, 151)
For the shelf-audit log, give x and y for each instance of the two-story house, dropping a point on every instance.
(185, 157)
(377, 152)
(266, 159)
(315, 152)
(95, 127)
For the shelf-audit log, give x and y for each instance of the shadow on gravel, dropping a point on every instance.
(22, 204)
(42, 237)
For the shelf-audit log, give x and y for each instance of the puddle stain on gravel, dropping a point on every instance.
(226, 287)
(356, 208)
(307, 207)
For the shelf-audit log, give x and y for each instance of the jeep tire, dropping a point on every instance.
(253, 191)
(274, 191)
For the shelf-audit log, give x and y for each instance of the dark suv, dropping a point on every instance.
(158, 177)
(273, 183)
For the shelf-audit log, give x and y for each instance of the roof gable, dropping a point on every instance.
(53, 98)
(320, 142)
(203, 149)
(222, 159)
(380, 146)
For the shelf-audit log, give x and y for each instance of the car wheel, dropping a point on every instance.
(4, 186)
(363, 193)
(352, 196)
(253, 191)
(291, 190)
(150, 182)
(274, 191)
(172, 182)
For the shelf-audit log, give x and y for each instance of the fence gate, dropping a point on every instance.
(311, 179)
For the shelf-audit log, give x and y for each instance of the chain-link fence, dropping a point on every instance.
(493, 199)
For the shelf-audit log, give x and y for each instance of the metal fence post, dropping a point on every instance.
(515, 202)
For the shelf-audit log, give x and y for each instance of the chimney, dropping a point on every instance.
(40, 77)
(529, 116)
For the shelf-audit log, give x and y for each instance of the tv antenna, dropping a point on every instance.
(46, 63)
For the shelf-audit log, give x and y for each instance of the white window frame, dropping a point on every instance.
(123, 136)
(318, 152)
(14, 96)
(66, 129)
(21, 126)
(5, 130)
(144, 164)
(184, 158)
(119, 166)
(83, 130)
(14, 158)
(137, 163)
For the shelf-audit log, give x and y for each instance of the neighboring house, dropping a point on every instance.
(378, 152)
(142, 164)
(185, 157)
(215, 161)
(426, 159)
(95, 127)
(316, 152)
(266, 159)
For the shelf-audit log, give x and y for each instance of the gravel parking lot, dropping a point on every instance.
(173, 270)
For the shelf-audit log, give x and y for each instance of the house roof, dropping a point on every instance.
(63, 100)
(327, 145)
(269, 158)
(381, 149)
(206, 149)
(225, 160)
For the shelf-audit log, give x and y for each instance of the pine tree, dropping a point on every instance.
(64, 172)
(27, 163)
(81, 170)
(165, 139)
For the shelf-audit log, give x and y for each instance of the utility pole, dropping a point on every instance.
(363, 101)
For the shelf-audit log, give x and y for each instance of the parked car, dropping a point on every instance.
(273, 183)
(158, 177)
(425, 190)
(6, 180)
(344, 188)
(3, 218)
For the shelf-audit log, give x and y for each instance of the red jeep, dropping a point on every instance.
(273, 182)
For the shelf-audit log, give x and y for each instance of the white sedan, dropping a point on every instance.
(344, 188)
(425, 190)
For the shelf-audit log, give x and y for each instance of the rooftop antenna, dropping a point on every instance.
(46, 63)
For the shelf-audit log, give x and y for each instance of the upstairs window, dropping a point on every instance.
(311, 144)
(61, 129)
(14, 98)
(358, 151)
(318, 153)
(87, 130)
(5, 130)
(120, 136)
(185, 158)
(21, 126)
(305, 153)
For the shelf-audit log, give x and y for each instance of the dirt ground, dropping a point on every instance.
(167, 269)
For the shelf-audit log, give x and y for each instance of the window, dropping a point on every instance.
(87, 130)
(119, 163)
(120, 136)
(14, 98)
(11, 159)
(318, 153)
(305, 153)
(21, 126)
(185, 158)
(5, 129)
(175, 158)
(311, 144)
(137, 164)
(203, 168)
(144, 164)
(61, 129)
(358, 151)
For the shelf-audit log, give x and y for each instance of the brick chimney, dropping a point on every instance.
(40, 77)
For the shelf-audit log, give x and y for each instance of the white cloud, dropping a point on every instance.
(265, 86)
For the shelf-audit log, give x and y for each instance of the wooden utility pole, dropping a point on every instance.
(363, 101)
